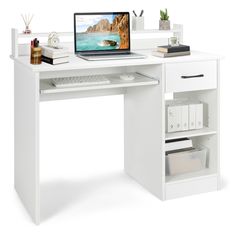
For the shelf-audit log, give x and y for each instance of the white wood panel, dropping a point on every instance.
(76, 63)
(81, 94)
(207, 172)
(27, 139)
(144, 137)
(71, 34)
(14, 43)
(151, 43)
(144, 39)
(191, 133)
(190, 187)
(218, 125)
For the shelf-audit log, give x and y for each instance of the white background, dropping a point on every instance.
(84, 190)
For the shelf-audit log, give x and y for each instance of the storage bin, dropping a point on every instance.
(190, 160)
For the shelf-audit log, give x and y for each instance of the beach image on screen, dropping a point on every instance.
(102, 32)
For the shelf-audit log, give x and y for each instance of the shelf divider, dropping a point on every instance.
(190, 133)
(190, 176)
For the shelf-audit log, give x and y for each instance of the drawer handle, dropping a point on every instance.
(192, 76)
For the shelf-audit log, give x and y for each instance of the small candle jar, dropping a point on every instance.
(36, 55)
(173, 41)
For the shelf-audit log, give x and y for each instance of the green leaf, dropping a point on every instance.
(164, 14)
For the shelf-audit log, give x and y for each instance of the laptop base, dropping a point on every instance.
(111, 56)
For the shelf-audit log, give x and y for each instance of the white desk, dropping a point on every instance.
(144, 121)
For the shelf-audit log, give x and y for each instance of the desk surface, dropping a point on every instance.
(78, 63)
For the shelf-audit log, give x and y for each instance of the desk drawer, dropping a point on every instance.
(191, 76)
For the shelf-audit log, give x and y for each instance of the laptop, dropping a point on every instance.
(103, 36)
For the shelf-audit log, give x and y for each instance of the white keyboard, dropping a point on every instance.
(74, 81)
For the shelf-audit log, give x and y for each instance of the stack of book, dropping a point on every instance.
(55, 56)
(172, 51)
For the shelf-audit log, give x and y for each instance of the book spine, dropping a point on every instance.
(176, 49)
(47, 60)
(176, 54)
(56, 53)
(163, 50)
(55, 56)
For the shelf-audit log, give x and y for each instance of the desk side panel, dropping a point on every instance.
(26, 163)
(144, 137)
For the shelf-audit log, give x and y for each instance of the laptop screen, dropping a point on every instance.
(101, 32)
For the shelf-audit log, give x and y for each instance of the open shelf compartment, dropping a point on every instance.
(46, 86)
(210, 142)
(207, 136)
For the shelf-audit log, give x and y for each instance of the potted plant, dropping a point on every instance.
(164, 23)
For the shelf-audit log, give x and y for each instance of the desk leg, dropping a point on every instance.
(26, 86)
(144, 137)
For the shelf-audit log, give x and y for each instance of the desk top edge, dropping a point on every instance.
(80, 64)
